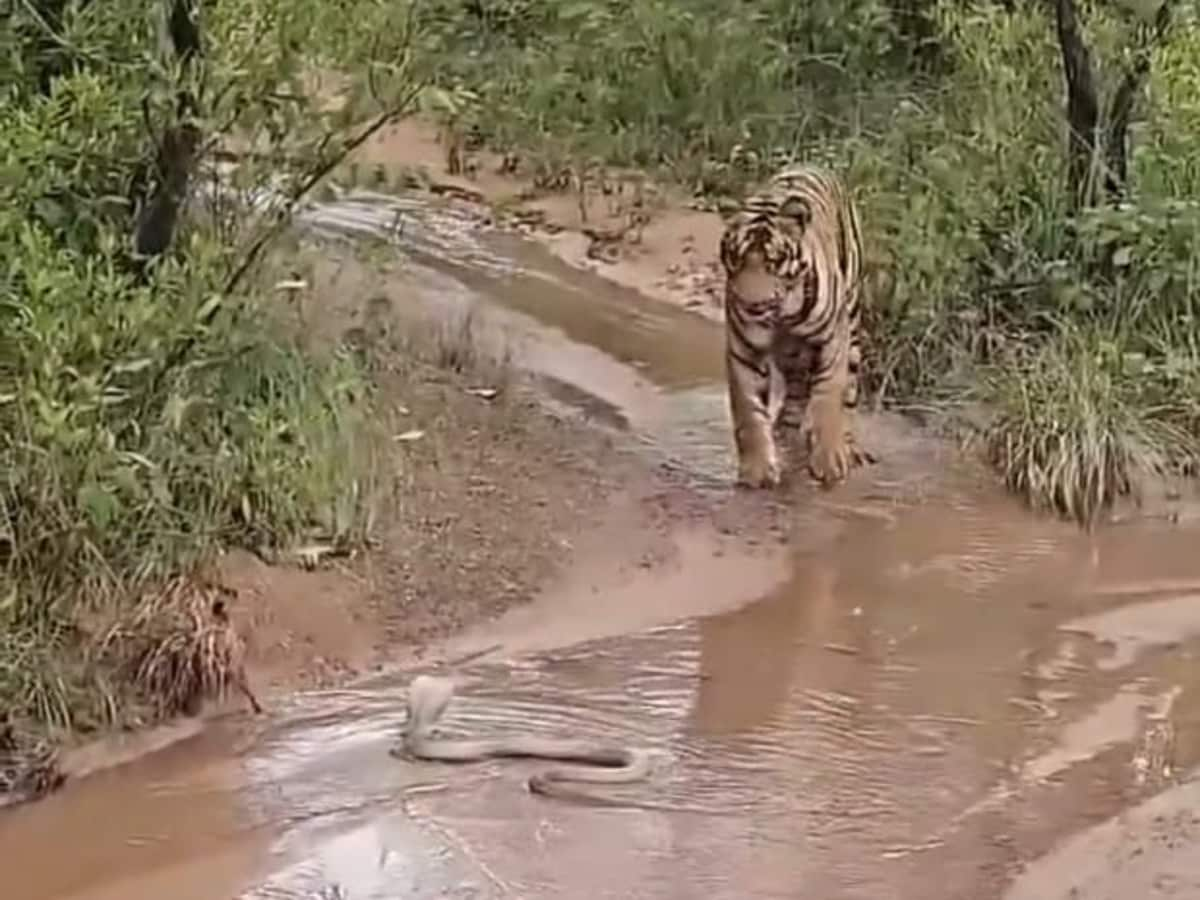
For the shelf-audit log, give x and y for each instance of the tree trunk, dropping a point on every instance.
(1120, 113)
(161, 201)
(1083, 109)
(1098, 151)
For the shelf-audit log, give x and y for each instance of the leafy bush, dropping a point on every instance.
(151, 408)
(683, 88)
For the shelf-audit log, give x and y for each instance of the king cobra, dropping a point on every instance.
(428, 697)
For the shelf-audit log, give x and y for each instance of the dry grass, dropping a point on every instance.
(165, 654)
(1073, 436)
(179, 647)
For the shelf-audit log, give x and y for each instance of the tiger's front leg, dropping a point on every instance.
(833, 448)
(749, 370)
(795, 359)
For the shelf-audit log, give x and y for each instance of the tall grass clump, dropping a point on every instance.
(152, 409)
(1073, 428)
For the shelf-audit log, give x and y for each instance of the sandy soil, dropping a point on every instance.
(487, 504)
(1145, 852)
(488, 493)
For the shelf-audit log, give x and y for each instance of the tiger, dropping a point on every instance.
(792, 256)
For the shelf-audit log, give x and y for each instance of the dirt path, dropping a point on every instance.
(623, 228)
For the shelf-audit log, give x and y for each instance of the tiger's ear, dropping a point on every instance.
(796, 208)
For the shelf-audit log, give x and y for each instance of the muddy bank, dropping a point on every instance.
(617, 225)
(1146, 852)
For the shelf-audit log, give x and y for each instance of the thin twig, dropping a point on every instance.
(282, 217)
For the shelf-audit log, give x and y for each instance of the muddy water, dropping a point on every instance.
(938, 690)
(622, 359)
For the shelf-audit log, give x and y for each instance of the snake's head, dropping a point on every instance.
(428, 697)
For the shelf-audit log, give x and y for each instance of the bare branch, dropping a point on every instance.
(284, 214)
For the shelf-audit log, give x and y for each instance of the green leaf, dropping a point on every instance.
(98, 504)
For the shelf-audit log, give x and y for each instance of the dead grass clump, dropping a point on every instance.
(179, 647)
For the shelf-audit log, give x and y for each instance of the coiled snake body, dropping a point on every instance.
(428, 697)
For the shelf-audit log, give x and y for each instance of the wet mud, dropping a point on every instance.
(908, 687)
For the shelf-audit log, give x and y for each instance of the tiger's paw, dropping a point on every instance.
(760, 472)
(831, 463)
(861, 456)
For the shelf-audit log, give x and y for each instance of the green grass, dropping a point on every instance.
(114, 487)
(155, 412)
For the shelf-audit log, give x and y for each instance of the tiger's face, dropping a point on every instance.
(764, 263)
(754, 284)
(773, 227)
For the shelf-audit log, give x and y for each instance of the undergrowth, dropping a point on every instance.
(153, 410)
(986, 281)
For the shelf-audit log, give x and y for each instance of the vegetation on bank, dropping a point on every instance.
(1051, 281)
(150, 410)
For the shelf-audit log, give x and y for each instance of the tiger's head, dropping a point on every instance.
(762, 248)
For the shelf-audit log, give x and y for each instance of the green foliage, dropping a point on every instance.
(685, 88)
(1077, 329)
(153, 411)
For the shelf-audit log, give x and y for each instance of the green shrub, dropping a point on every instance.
(152, 407)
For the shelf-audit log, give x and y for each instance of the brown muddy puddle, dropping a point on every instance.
(939, 689)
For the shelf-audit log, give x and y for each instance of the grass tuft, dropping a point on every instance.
(178, 647)
(1070, 434)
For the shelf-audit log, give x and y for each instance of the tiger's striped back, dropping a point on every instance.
(834, 229)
